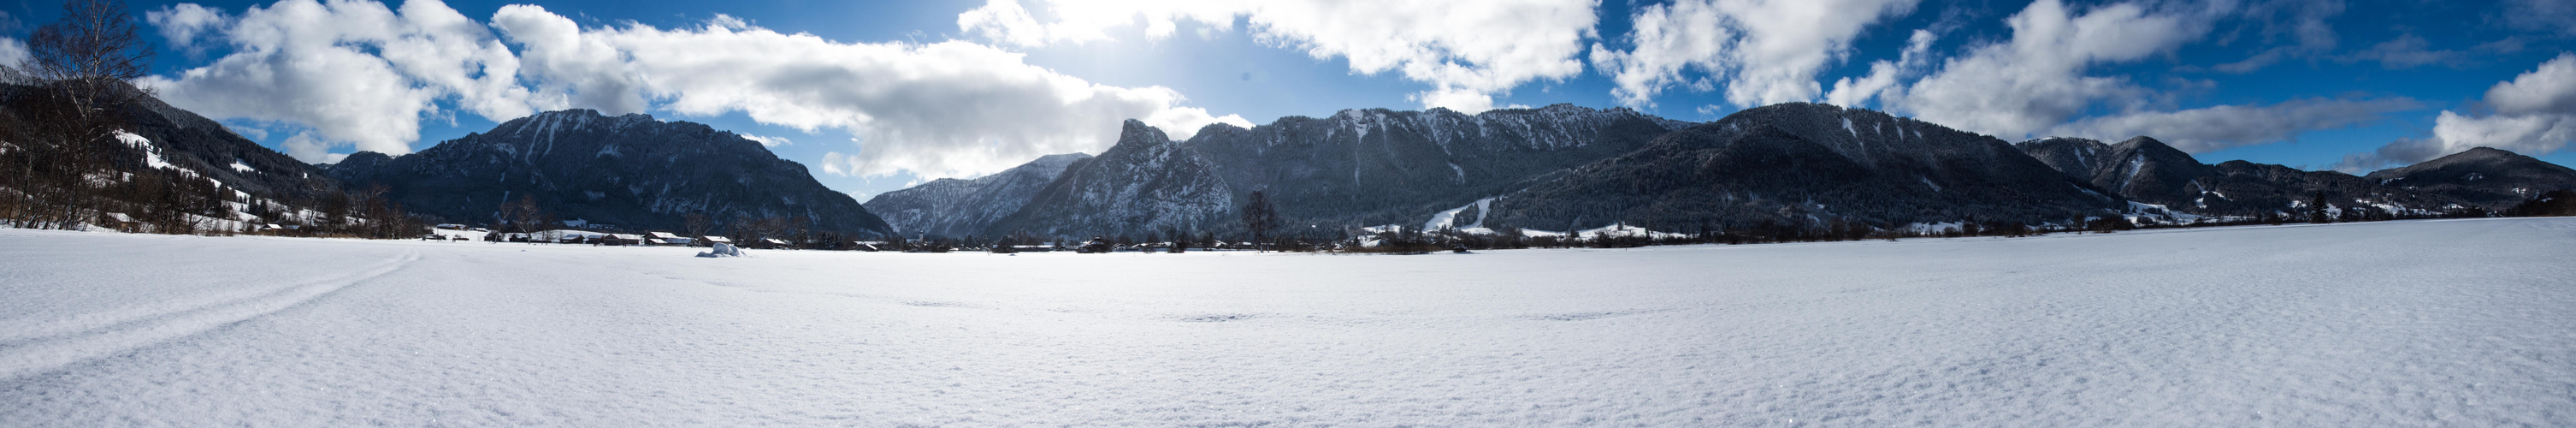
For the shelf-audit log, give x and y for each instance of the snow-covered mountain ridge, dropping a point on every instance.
(1567, 167)
(954, 207)
(631, 171)
(2495, 179)
(2145, 170)
(1805, 165)
(1356, 167)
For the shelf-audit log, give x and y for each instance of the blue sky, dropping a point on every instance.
(874, 96)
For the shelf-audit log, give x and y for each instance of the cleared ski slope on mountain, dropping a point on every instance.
(2458, 323)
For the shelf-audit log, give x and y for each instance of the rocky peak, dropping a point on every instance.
(1137, 132)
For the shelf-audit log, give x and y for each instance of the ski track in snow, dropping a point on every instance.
(45, 344)
(2452, 322)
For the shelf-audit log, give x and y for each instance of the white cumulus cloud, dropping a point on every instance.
(304, 146)
(767, 141)
(1884, 75)
(182, 23)
(1468, 50)
(2549, 89)
(12, 52)
(1767, 51)
(2038, 79)
(354, 71)
(936, 110)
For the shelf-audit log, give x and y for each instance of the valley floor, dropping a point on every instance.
(2450, 322)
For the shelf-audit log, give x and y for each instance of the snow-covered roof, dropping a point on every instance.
(665, 235)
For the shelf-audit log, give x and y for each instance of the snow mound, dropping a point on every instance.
(723, 250)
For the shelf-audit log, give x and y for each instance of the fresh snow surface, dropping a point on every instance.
(2416, 323)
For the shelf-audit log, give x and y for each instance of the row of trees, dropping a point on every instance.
(2554, 203)
(1837, 229)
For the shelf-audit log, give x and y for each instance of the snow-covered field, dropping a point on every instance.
(2449, 323)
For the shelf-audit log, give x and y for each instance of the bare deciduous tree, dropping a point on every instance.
(58, 111)
(88, 57)
(1260, 218)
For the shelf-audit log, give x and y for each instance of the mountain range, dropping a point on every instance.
(1559, 167)
(1799, 163)
(630, 171)
(1358, 167)
(2490, 178)
(185, 141)
(954, 207)
(1565, 167)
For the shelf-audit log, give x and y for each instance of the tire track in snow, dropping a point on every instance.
(74, 324)
(23, 357)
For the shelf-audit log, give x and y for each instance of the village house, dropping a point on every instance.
(665, 238)
(620, 239)
(120, 222)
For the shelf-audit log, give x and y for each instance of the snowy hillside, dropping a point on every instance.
(1356, 167)
(1806, 165)
(2405, 323)
(631, 170)
(2146, 171)
(2493, 178)
(953, 208)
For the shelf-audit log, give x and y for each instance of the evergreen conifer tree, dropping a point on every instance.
(2317, 209)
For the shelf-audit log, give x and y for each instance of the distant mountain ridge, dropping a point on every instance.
(2148, 171)
(954, 207)
(631, 171)
(2495, 179)
(1800, 163)
(1356, 167)
(1797, 164)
